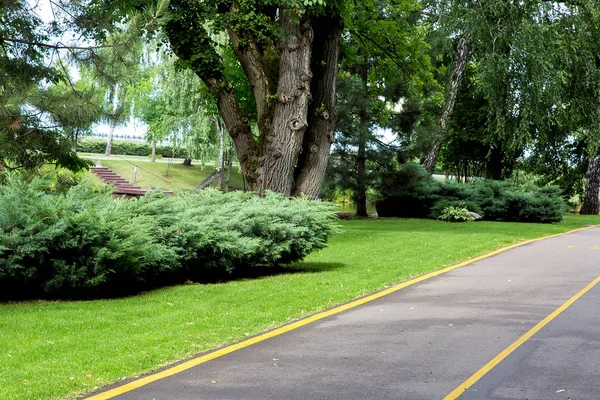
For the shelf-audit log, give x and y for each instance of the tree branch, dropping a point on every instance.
(58, 45)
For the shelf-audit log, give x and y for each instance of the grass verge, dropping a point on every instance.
(58, 350)
(152, 175)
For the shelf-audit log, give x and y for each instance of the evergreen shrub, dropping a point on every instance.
(412, 192)
(85, 243)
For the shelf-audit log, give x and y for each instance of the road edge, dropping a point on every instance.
(195, 361)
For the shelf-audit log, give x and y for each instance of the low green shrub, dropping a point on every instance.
(411, 192)
(84, 243)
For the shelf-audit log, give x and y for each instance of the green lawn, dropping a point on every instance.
(152, 175)
(57, 350)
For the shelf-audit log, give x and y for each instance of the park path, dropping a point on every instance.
(425, 340)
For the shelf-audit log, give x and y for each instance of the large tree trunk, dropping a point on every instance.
(239, 129)
(286, 126)
(310, 171)
(592, 176)
(283, 143)
(113, 120)
(458, 69)
(592, 184)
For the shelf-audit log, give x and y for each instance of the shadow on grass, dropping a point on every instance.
(122, 290)
(265, 271)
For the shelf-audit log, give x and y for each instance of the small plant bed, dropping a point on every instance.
(61, 349)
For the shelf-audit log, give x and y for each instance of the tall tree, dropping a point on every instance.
(288, 51)
(176, 106)
(583, 99)
(384, 62)
(39, 105)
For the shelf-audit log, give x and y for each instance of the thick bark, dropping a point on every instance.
(239, 129)
(209, 69)
(187, 162)
(592, 176)
(592, 184)
(458, 69)
(251, 60)
(283, 144)
(113, 120)
(153, 156)
(272, 163)
(310, 170)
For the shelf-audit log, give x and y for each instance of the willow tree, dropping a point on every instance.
(288, 51)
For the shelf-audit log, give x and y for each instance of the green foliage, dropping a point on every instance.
(180, 321)
(130, 148)
(81, 244)
(176, 105)
(85, 243)
(408, 192)
(384, 63)
(411, 192)
(455, 214)
(440, 205)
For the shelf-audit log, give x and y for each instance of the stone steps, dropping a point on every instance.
(122, 187)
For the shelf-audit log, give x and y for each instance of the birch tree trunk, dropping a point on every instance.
(222, 133)
(153, 157)
(113, 120)
(229, 166)
(458, 69)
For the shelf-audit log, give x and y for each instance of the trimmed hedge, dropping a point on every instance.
(413, 193)
(86, 244)
(123, 147)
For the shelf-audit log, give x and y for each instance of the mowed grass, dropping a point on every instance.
(153, 175)
(58, 350)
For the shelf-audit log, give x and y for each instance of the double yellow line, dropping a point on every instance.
(128, 387)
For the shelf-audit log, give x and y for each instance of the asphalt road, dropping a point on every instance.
(424, 341)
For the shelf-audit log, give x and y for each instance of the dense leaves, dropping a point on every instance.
(411, 192)
(40, 108)
(85, 243)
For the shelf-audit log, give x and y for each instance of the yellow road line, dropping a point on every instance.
(506, 352)
(128, 387)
